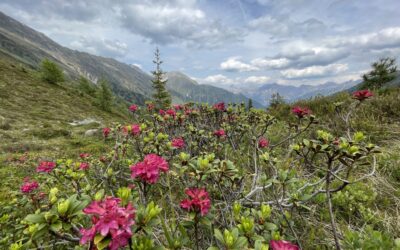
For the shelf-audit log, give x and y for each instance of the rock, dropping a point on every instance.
(84, 122)
(91, 132)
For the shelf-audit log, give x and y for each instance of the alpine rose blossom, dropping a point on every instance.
(134, 129)
(149, 169)
(177, 107)
(263, 143)
(361, 95)
(220, 133)
(45, 167)
(133, 108)
(199, 201)
(106, 132)
(219, 106)
(150, 106)
(29, 186)
(84, 166)
(171, 112)
(282, 245)
(178, 143)
(109, 220)
(301, 112)
(84, 155)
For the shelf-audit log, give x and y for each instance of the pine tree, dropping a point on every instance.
(104, 95)
(250, 104)
(381, 73)
(162, 98)
(51, 72)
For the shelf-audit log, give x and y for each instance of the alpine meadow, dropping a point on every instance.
(234, 125)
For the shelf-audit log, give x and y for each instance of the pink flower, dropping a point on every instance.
(46, 166)
(171, 112)
(177, 107)
(149, 169)
(178, 143)
(84, 166)
(84, 155)
(361, 95)
(133, 108)
(161, 112)
(106, 132)
(219, 106)
(219, 133)
(282, 245)
(263, 143)
(109, 220)
(29, 186)
(301, 112)
(199, 201)
(134, 129)
(150, 106)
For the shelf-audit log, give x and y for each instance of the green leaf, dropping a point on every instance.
(35, 218)
(103, 244)
(218, 235)
(56, 226)
(241, 243)
(270, 226)
(98, 238)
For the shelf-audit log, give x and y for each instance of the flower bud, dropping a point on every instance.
(228, 237)
(99, 195)
(62, 207)
(265, 211)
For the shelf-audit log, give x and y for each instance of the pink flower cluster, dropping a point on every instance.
(282, 245)
(199, 201)
(29, 186)
(84, 155)
(177, 107)
(361, 95)
(219, 106)
(301, 112)
(45, 166)
(263, 143)
(109, 219)
(150, 106)
(149, 169)
(106, 132)
(178, 143)
(219, 133)
(133, 108)
(84, 165)
(134, 129)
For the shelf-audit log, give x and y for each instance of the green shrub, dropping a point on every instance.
(51, 72)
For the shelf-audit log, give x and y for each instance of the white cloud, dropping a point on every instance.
(257, 79)
(216, 79)
(233, 64)
(270, 63)
(314, 71)
(166, 22)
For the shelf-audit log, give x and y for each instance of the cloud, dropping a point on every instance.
(283, 26)
(257, 79)
(233, 64)
(168, 22)
(216, 79)
(314, 71)
(278, 63)
(104, 47)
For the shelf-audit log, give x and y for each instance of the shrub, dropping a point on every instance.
(51, 72)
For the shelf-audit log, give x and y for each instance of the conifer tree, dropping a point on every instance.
(250, 104)
(381, 73)
(162, 98)
(104, 95)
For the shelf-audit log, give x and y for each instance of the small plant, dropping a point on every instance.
(51, 72)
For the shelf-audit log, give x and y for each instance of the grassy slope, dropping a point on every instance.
(35, 117)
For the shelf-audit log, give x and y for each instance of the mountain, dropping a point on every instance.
(291, 93)
(30, 47)
(189, 90)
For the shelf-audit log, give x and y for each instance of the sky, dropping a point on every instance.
(226, 43)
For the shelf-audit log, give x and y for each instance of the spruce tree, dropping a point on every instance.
(162, 98)
(104, 95)
(51, 72)
(250, 104)
(381, 73)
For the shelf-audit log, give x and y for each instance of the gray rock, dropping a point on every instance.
(91, 132)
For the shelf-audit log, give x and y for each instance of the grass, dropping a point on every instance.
(35, 118)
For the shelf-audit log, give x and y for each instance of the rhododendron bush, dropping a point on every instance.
(194, 177)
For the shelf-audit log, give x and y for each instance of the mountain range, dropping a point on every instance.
(30, 47)
(263, 93)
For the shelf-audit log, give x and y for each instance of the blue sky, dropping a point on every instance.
(227, 43)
